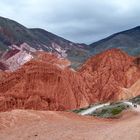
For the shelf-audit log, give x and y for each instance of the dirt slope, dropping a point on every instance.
(36, 125)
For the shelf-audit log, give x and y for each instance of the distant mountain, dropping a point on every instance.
(13, 33)
(128, 40)
(14, 36)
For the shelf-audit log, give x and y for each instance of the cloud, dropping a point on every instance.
(77, 20)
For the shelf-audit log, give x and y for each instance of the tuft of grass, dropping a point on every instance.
(110, 111)
(116, 111)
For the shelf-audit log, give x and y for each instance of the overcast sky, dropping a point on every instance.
(82, 21)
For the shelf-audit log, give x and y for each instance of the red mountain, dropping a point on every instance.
(47, 83)
(44, 83)
(107, 73)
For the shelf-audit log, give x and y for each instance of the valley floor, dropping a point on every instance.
(50, 125)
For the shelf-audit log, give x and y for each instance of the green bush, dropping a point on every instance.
(116, 111)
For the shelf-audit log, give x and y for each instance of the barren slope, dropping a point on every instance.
(36, 125)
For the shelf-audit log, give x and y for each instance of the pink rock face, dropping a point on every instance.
(105, 74)
(53, 59)
(17, 56)
(10, 53)
(3, 66)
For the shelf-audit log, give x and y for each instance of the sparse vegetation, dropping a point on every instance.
(107, 111)
(110, 111)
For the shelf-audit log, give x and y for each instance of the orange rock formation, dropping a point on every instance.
(46, 82)
(42, 85)
(107, 73)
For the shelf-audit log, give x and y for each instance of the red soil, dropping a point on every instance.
(47, 125)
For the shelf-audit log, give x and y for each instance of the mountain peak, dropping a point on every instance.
(128, 41)
(108, 72)
(137, 27)
(13, 33)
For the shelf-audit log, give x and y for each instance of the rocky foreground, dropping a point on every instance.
(48, 125)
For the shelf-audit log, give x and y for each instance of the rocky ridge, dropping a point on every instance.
(107, 73)
(43, 84)
(47, 83)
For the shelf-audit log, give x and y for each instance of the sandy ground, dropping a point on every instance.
(39, 125)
